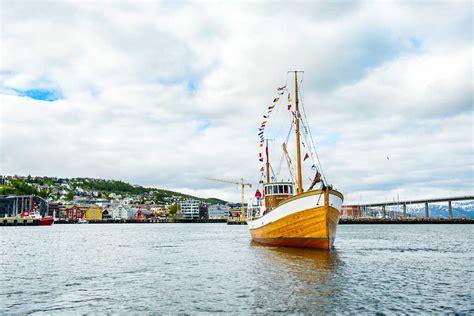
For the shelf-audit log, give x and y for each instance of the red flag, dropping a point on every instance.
(258, 195)
(306, 156)
(289, 107)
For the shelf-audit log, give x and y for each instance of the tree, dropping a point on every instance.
(70, 196)
(174, 208)
(44, 193)
(7, 189)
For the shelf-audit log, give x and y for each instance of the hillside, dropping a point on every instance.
(55, 189)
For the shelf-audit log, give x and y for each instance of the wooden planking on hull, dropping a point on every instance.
(315, 243)
(312, 228)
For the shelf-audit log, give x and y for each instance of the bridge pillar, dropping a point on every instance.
(404, 210)
(450, 210)
(383, 211)
(427, 211)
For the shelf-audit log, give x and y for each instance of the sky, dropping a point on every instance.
(167, 94)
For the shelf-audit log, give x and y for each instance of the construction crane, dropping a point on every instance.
(242, 184)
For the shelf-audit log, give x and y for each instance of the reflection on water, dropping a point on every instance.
(306, 276)
(312, 259)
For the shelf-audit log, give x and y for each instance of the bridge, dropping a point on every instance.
(426, 202)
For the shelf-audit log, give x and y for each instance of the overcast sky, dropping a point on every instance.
(165, 94)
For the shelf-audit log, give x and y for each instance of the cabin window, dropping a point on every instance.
(280, 189)
(285, 189)
(291, 189)
(275, 189)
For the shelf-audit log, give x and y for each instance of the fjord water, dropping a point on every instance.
(192, 268)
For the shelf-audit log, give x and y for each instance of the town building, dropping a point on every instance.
(218, 211)
(75, 212)
(193, 209)
(94, 213)
(120, 211)
(351, 211)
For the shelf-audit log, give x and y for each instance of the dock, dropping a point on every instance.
(350, 221)
(14, 221)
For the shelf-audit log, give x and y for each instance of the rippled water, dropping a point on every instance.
(192, 268)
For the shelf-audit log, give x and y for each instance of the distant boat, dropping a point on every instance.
(43, 221)
(82, 221)
(291, 217)
(33, 214)
(46, 221)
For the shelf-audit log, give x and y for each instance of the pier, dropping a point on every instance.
(18, 221)
(348, 221)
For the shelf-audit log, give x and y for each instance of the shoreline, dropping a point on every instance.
(343, 221)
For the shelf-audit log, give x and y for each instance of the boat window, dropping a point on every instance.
(285, 189)
(280, 189)
(275, 189)
(291, 189)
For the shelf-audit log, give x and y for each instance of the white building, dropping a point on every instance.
(218, 211)
(190, 209)
(120, 211)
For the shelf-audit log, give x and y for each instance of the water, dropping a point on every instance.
(201, 268)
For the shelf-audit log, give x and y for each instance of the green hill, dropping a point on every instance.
(51, 187)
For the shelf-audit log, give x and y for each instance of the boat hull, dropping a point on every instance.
(46, 221)
(306, 220)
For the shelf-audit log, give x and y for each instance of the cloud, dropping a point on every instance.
(166, 94)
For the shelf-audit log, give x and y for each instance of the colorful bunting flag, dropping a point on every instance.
(276, 100)
(281, 88)
(289, 107)
(306, 156)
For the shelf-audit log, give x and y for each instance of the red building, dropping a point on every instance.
(74, 213)
(351, 211)
(139, 216)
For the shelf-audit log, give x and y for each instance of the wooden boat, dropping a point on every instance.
(289, 216)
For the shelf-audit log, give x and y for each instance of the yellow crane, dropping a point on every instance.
(242, 184)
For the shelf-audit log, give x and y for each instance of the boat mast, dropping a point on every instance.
(298, 145)
(268, 162)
